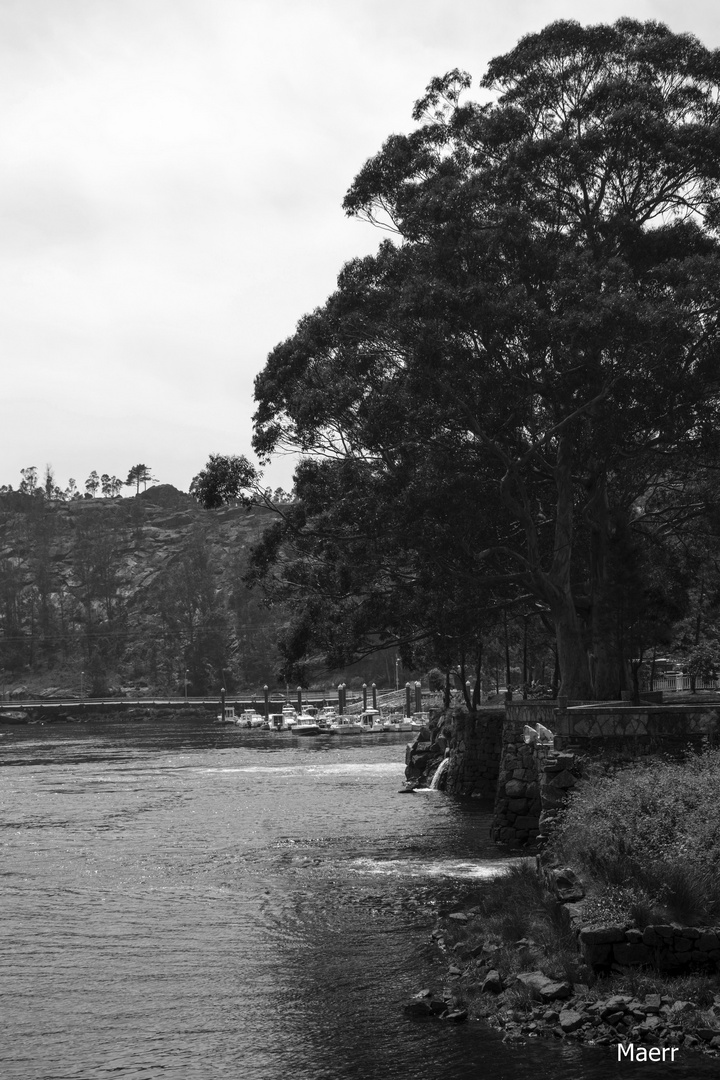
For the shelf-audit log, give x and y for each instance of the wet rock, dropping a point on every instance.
(492, 983)
(616, 1003)
(418, 1010)
(546, 989)
(424, 1008)
(567, 886)
(458, 916)
(456, 1016)
(570, 1020)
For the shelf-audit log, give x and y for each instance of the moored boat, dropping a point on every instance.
(372, 721)
(326, 716)
(346, 725)
(250, 718)
(306, 724)
(289, 718)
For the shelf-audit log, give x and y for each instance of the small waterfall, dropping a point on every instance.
(434, 783)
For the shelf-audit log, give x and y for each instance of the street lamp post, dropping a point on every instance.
(82, 678)
(186, 682)
(397, 672)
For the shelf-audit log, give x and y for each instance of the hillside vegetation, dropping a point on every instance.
(143, 589)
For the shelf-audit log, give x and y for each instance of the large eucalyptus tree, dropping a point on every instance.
(548, 308)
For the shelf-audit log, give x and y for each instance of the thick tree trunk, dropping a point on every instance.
(553, 585)
(575, 680)
(608, 674)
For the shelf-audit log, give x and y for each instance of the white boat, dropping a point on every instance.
(326, 717)
(249, 718)
(228, 717)
(306, 725)
(398, 723)
(346, 725)
(372, 721)
(289, 718)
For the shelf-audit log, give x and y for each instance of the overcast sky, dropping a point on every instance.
(170, 199)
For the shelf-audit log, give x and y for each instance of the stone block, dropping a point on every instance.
(708, 940)
(596, 955)
(526, 822)
(566, 885)
(518, 806)
(514, 789)
(682, 944)
(553, 799)
(630, 954)
(601, 935)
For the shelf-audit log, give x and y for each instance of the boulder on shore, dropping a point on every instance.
(546, 989)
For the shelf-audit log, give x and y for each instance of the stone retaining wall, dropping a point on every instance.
(601, 727)
(471, 741)
(643, 728)
(516, 822)
(667, 946)
(475, 747)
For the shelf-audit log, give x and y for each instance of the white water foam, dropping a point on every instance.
(335, 769)
(453, 868)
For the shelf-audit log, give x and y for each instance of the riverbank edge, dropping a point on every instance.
(602, 1012)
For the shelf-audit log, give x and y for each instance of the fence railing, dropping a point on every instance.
(394, 701)
(680, 682)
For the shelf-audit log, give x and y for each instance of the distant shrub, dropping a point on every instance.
(436, 679)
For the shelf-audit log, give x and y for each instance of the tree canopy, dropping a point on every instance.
(540, 335)
(224, 479)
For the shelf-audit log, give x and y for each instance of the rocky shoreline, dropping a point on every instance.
(530, 1005)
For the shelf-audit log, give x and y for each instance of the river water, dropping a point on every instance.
(193, 901)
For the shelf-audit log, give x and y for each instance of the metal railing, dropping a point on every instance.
(675, 682)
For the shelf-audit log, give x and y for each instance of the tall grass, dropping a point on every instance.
(654, 832)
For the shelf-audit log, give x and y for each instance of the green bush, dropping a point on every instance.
(436, 679)
(653, 830)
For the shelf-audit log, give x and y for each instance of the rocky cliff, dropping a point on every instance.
(144, 589)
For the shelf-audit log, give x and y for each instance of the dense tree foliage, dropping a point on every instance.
(224, 479)
(536, 350)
